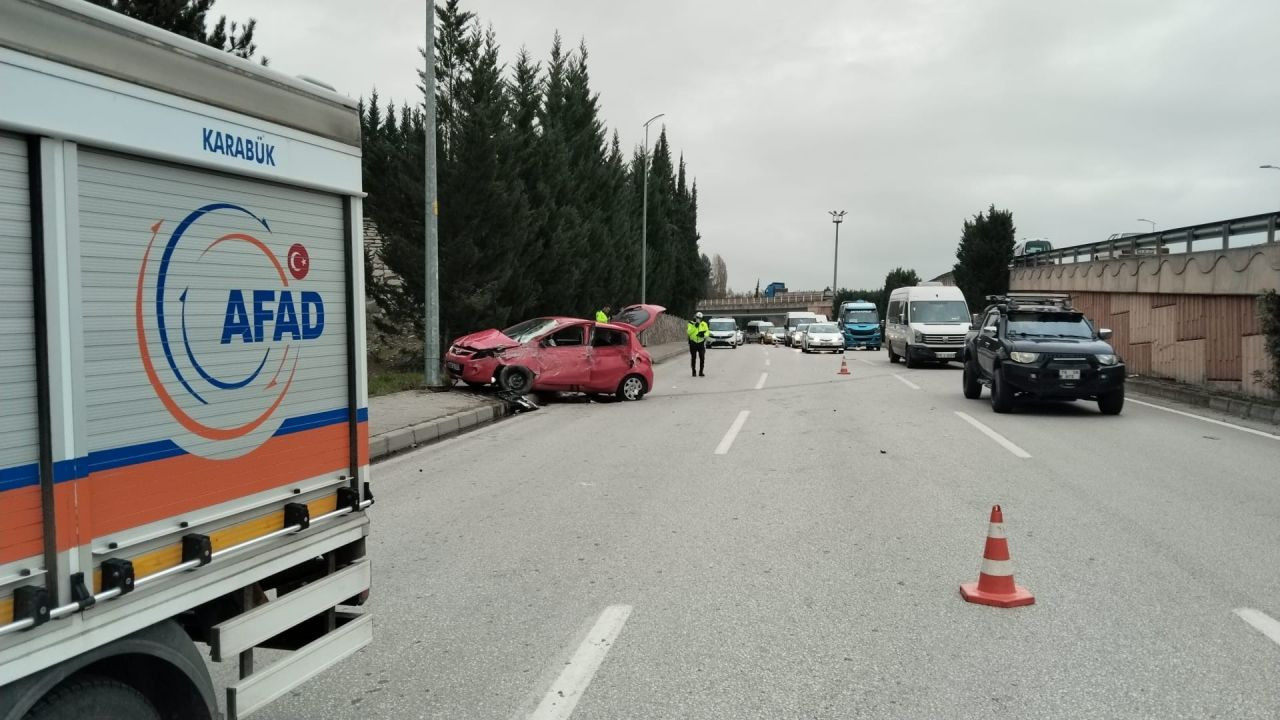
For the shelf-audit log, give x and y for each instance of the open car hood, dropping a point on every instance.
(485, 340)
(638, 317)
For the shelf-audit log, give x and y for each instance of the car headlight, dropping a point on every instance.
(1108, 359)
(917, 336)
(1024, 357)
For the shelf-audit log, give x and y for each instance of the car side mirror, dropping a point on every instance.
(990, 330)
(1104, 334)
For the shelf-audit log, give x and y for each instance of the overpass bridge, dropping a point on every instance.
(773, 309)
(1182, 303)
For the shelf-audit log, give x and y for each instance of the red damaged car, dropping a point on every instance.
(560, 354)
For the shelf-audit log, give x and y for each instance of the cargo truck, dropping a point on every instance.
(183, 423)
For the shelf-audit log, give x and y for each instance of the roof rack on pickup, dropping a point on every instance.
(1014, 301)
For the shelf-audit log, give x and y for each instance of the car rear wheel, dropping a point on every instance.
(632, 387)
(1001, 394)
(516, 379)
(972, 388)
(1111, 403)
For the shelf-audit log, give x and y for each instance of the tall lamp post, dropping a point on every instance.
(644, 216)
(837, 218)
(1153, 223)
(431, 322)
(1269, 167)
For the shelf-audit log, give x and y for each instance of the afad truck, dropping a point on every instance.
(860, 324)
(183, 442)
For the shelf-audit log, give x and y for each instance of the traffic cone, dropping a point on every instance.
(844, 367)
(995, 584)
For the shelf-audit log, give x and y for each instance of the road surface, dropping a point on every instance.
(779, 541)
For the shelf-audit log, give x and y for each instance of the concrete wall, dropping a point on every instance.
(1238, 271)
(1208, 340)
(667, 328)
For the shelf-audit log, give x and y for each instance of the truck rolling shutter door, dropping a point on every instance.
(20, 506)
(214, 328)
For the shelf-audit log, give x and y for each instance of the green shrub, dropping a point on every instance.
(1269, 319)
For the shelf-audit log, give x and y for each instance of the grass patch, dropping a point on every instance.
(385, 382)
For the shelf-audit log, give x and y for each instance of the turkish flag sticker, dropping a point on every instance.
(299, 261)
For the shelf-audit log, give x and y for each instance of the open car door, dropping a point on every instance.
(639, 317)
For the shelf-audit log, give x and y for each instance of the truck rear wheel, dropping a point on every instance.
(93, 697)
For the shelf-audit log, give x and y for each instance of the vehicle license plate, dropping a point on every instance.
(453, 366)
(1069, 374)
(945, 355)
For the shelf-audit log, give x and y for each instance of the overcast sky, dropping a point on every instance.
(1078, 116)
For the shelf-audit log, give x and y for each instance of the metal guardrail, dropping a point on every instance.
(1164, 242)
(783, 300)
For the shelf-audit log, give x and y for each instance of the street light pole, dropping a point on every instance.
(644, 215)
(1153, 223)
(431, 323)
(1269, 167)
(837, 218)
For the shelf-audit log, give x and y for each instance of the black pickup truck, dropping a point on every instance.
(1038, 346)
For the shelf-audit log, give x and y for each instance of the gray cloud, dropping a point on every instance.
(1078, 116)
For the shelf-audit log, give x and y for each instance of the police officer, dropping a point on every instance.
(697, 330)
(602, 316)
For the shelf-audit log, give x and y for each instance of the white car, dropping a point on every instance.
(822, 336)
(724, 331)
(797, 336)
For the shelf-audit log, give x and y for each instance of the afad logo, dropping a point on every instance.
(222, 322)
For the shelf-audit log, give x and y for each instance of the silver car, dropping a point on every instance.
(822, 336)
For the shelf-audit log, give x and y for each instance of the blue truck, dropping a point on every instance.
(860, 324)
(774, 288)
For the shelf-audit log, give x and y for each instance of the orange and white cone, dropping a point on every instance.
(995, 584)
(844, 367)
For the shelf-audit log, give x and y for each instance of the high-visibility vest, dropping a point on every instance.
(601, 317)
(697, 330)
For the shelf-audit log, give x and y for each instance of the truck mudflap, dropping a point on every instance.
(257, 689)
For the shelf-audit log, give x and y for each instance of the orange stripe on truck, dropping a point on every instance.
(114, 500)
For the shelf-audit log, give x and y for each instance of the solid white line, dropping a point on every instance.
(1004, 442)
(908, 383)
(760, 382)
(1206, 419)
(567, 690)
(727, 441)
(1261, 622)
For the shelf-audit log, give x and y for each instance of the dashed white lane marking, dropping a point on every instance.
(1261, 622)
(907, 382)
(727, 441)
(865, 362)
(760, 382)
(766, 362)
(567, 690)
(1202, 418)
(1002, 440)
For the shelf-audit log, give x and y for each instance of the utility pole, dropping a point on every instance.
(1153, 223)
(644, 215)
(431, 323)
(837, 218)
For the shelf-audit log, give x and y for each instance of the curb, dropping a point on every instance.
(1260, 411)
(425, 433)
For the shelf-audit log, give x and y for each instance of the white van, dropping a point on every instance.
(795, 320)
(926, 322)
(723, 331)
